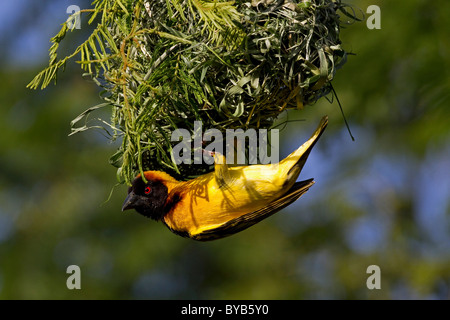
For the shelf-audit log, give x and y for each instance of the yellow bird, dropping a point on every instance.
(225, 201)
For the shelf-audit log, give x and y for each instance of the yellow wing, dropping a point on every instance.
(247, 220)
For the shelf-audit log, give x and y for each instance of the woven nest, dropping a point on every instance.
(229, 64)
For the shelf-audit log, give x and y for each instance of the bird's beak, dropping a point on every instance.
(130, 201)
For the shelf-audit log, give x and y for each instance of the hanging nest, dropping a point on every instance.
(229, 64)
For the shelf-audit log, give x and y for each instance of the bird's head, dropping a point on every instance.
(148, 199)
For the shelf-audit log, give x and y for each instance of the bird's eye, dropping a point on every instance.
(147, 190)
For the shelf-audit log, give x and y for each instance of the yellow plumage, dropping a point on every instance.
(210, 202)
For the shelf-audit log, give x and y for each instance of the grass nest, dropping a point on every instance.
(229, 64)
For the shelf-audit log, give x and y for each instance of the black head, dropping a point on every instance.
(147, 198)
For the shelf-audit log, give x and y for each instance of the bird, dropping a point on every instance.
(225, 201)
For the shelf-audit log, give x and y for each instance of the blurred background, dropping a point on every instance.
(383, 199)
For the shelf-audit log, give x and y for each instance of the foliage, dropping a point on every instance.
(230, 64)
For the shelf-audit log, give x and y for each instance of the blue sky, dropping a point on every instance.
(32, 46)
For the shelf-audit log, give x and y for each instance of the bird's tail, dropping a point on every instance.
(299, 156)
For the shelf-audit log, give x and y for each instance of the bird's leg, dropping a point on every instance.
(221, 170)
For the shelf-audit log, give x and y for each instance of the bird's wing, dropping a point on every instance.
(247, 220)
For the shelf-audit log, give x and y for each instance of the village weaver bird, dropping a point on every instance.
(225, 201)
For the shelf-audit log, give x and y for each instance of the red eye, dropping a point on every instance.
(147, 190)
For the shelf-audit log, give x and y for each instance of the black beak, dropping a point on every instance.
(130, 201)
